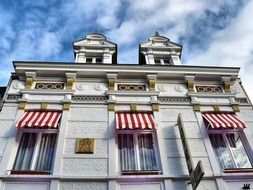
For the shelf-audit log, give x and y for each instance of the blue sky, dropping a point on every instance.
(217, 32)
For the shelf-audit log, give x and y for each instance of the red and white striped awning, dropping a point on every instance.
(135, 121)
(39, 119)
(223, 120)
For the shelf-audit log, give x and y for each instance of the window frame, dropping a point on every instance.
(39, 133)
(244, 142)
(135, 134)
(161, 60)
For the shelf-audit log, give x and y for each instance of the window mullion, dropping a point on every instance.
(36, 151)
(137, 154)
(229, 149)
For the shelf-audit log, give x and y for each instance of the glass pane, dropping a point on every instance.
(146, 152)
(221, 151)
(25, 152)
(157, 61)
(98, 60)
(46, 152)
(126, 152)
(166, 61)
(240, 155)
(88, 60)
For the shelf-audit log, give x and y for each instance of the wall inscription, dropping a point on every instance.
(85, 145)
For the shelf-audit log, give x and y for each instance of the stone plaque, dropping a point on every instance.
(85, 145)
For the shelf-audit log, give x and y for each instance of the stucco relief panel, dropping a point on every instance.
(87, 130)
(84, 167)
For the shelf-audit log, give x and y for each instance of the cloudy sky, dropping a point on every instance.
(216, 32)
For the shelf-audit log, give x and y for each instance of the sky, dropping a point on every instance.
(212, 33)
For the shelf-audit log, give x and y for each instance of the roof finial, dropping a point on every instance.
(157, 33)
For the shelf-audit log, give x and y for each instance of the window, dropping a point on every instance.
(37, 144)
(157, 61)
(99, 60)
(137, 144)
(225, 132)
(162, 61)
(230, 150)
(88, 60)
(136, 152)
(94, 59)
(35, 152)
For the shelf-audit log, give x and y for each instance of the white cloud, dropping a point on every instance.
(232, 46)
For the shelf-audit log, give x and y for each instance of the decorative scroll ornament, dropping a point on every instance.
(81, 87)
(99, 87)
(162, 88)
(18, 85)
(236, 90)
(180, 89)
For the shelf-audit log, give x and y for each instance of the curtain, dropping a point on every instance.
(46, 152)
(146, 152)
(25, 152)
(221, 151)
(126, 152)
(238, 151)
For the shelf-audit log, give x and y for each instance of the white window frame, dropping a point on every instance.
(243, 139)
(161, 59)
(39, 133)
(94, 59)
(135, 134)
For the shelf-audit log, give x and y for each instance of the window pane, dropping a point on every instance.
(88, 60)
(126, 152)
(240, 155)
(25, 152)
(221, 151)
(166, 61)
(157, 61)
(99, 60)
(46, 152)
(146, 152)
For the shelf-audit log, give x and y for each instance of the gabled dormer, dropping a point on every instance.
(159, 50)
(95, 48)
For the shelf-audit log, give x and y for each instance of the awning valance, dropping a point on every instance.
(223, 120)
(135, 121)
(39, 119)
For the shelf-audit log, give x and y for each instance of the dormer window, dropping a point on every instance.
(162, 61)
(94, 60)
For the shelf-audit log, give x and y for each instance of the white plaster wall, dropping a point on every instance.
(203, 185)
(83, 186)
(172, 141)
(142, 185)
(238, 90)
(238, 184)
(86, 121)
(25, 186)
(85, 167)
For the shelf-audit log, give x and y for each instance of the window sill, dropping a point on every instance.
(29, 172)
(141, 172)
(238, 170)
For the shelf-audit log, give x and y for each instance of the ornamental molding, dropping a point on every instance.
(174, 99)
(89, 98)
(14, 97)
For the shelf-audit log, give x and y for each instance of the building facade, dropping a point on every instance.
(94, 124)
